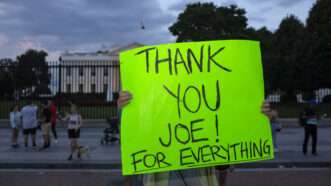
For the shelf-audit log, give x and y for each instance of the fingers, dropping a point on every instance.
(124, 98)
(265, 108)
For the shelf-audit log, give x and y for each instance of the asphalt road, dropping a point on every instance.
(31, 167)
(239, 177)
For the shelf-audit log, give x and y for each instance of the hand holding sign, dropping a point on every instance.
(196, 105)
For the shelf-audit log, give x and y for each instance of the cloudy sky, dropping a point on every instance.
(90, 25)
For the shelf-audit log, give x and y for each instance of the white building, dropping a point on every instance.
(92, 72)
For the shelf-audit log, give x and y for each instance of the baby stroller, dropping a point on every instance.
(111, 133)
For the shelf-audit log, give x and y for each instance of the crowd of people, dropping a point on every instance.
(30, 118)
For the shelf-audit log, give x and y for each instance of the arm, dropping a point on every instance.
(80, 122)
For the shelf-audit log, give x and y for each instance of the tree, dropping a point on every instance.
(7, 80)
(32, 73)
(205, 21)
(288, 56)
(319, 29)
(269, 68)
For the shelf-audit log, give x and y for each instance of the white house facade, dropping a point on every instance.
(92, 72)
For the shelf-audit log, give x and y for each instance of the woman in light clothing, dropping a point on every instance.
(74, 120)
(15, 123)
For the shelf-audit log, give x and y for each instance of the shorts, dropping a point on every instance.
(73, 133)
(45, 128)
(31, 131)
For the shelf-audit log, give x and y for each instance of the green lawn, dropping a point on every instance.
(287, 110)
(88, 112)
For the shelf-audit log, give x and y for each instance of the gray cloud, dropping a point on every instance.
(87, 24)
(70, 24)
(281, 3)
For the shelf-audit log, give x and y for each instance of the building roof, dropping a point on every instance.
(100, 55)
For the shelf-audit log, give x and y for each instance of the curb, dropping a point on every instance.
(101, 165)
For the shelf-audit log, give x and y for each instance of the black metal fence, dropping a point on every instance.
(92, 86)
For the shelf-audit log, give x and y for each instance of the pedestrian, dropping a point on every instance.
(206, 176)
(46, 124)
(309, 119)
(74, 121)
(53, 110)
(275, 125)
(15, 118)
(30, 122)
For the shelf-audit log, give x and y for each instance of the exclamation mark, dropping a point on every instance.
(216, 126)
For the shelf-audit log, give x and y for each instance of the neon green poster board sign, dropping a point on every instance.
(194, 105)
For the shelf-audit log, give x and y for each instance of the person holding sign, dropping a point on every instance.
(206, 176)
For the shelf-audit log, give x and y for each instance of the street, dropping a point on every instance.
(290, 167)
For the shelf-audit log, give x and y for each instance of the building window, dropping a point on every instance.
(105, 71)
(68, 88)
(105, 88)
(92, 88)
(80, 88)
(93, 71)
(81, 71)
(68, 71)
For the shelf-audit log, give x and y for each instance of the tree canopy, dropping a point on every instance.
(296, 57)
(206, 21)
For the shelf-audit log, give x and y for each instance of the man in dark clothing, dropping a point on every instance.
(46, 124)
(310, 119)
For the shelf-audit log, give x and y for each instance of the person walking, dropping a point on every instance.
(53, 110)
(46, 125)
(309, 120)
(30, 123)
(74, 120)
(15, 118)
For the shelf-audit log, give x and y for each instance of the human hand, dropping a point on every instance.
(265, 109)
(124, 98)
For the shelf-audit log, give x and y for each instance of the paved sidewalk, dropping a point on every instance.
(108, 156)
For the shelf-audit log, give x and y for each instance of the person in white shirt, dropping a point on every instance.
(74, 120)
(30, 123)
(15, 123)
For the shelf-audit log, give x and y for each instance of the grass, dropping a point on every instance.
(286, 110)
(87, 112)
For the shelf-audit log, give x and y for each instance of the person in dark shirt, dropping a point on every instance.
(52, 108)
(46, 124)
(311, 120)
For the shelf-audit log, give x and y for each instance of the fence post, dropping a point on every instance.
(59, 97)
